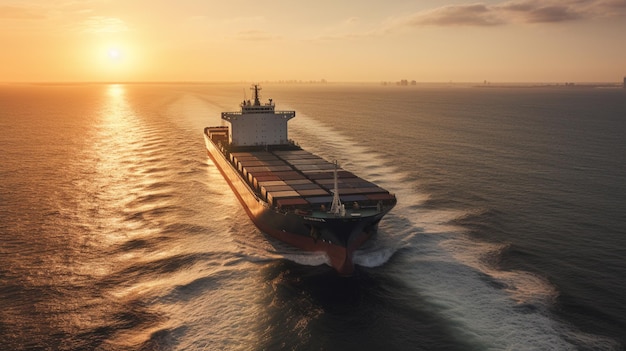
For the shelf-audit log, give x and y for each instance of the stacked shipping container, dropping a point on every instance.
(299, 179)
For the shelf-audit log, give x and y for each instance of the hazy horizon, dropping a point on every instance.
(301, 81)
(522, 41)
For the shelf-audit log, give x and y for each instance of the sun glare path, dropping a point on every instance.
(116, 90)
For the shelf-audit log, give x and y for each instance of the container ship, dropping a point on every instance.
(289, 193)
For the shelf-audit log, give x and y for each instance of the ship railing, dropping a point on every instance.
(364, 207)
(284, 114)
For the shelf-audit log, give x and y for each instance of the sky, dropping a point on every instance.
(336, 40)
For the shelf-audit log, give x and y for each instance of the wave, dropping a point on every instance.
(374, 258)
(488, 306)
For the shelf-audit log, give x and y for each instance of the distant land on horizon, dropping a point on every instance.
(403, 82)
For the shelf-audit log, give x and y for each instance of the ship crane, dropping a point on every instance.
(337, 208)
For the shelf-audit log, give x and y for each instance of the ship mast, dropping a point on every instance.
(336, 207)
(256, 88)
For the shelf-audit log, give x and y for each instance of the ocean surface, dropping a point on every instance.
(118, 233)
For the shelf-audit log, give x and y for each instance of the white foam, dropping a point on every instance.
(495, 309)
(524, 287)
(374, 258)
(307, 258)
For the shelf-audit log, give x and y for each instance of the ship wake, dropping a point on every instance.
(442, 263)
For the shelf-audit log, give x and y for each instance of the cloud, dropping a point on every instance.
(15, 12)
(333, 37)
(101, 24)
(346, 29)
(515, 11)
(470, 15)
(247, 20)
(255, 35)
(534, 11)
(548, 14)
(351, 21)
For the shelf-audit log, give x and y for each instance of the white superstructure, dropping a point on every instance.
(258, 124)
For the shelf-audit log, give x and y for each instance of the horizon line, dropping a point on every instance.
(322, 81)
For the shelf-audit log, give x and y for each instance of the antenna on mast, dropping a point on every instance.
(256, 89)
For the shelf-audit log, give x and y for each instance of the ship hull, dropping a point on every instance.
(337, 237)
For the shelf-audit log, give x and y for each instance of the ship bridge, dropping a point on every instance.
(258, 124)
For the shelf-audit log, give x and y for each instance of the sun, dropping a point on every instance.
(114, 61)
(114, 54)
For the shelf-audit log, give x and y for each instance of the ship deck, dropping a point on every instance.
(291, 179)
(350, 213)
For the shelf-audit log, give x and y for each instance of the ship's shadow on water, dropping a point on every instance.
(312, 308)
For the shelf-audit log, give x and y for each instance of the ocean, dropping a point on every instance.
(118, 233)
